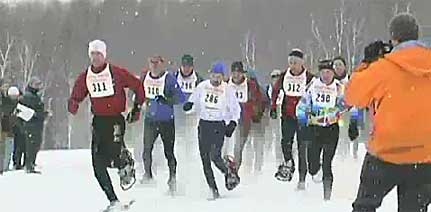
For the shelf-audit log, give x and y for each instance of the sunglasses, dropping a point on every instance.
(275, 76)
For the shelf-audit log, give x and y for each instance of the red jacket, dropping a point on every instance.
(111, 105)
(255, 106)
(288, 107)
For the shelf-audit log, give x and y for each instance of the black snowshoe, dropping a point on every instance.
(285, 171)
(231, 177)
(126, 170)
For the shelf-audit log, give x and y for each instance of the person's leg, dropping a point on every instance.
(289, 127)
(150, 135)
(101, 133)
(205, 134)
(303, 138)
(314, 150)
(217, 145)
(167, 132)
(8, 152)
(244, 130)
(376, 182)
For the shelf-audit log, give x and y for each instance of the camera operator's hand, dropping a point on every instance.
(373, 51)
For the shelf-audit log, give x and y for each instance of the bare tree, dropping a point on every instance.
(340, 21)
(318, 36)
(5, 54)
(354, 40)
(27, 58)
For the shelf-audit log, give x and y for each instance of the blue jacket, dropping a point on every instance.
(157, 110)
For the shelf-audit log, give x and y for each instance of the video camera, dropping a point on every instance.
(377, 50)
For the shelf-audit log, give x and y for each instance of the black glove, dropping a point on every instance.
(353, 130)
(273, 113)
(187, 106)
(160, 99)
(134, 114)
(374, 50)
(230, 128)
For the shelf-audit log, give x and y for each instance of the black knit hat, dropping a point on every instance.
(237, 66)
(297, 53)
(326, 64)
(404, 27)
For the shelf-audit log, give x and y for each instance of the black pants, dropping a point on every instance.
(211, 138)
(378, 178)
(19, 149)
(33, 140)
(166, 130)
(289, 127)
(324, 139)
(106, 149)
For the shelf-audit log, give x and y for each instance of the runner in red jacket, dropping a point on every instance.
(252, 103)
(105, 83)
(290, 87)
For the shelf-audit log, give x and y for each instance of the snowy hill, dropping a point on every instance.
(67, 184)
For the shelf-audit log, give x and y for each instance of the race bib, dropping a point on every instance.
(324, 96)
(241, 91)
(100, 84)
(294, 85)
(187, 84)
(214, 97)
(154, 87)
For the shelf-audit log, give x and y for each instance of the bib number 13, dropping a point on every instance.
(99, 87)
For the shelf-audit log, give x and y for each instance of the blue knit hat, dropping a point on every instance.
(219, 68)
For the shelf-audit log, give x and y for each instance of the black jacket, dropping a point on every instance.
(32, 100)
(7, 108)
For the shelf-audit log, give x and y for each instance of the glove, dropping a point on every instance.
(373, 51)
(160, 99)
(230, 128)
(187, 106)
(134, 114)
(273, 113)
(353, 130)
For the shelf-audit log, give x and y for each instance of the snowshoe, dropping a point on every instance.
(126, 170)
(231, 177)
(116, 206)
(285, 171)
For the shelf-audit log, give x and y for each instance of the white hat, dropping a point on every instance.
(97, 46)
(13, 91)
(276, 72)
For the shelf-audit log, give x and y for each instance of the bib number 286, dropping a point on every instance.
(211, 98)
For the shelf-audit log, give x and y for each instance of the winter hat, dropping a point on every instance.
(297, 53)
(187, 60)
(97, 46)
(276, 72)
(404, 27)
(326, 64)
(218, 68)
(237, 66)
(13, 91)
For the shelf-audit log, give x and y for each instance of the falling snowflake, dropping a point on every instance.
(132, 52)
(203, 52)
(127, 12)
(136, 13)
(122, 23)
(194, 19)
(205, 25)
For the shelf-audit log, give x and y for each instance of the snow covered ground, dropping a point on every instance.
(67, 184)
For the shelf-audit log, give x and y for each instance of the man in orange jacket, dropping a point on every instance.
(398, 84)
